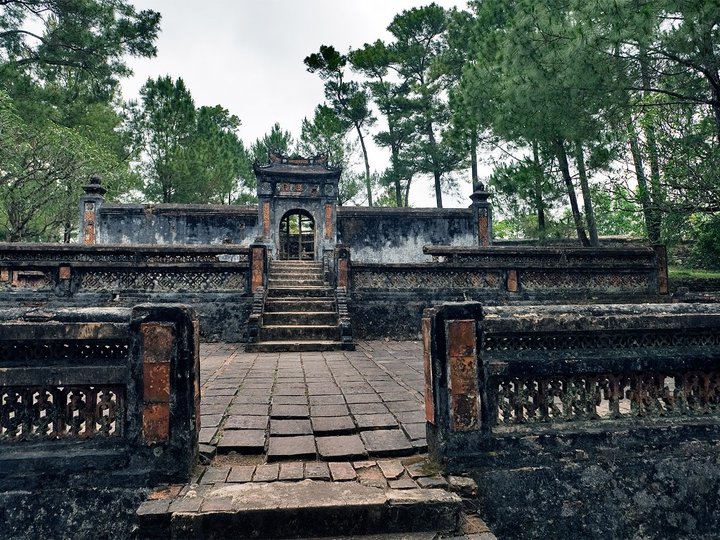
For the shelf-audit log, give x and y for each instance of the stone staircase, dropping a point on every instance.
(300, 311)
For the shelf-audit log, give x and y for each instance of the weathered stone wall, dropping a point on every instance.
(397, 235)
(373, 234)
(580, 421)
(176, 224)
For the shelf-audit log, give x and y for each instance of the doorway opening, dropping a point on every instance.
(297, 236)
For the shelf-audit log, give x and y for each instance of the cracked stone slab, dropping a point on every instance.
(295, 447)
(386, 442)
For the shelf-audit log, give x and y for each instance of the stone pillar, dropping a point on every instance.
(258, 265)
(164, 394)
(158, 341)
(482, 215)
(90, 204)
(342, 266)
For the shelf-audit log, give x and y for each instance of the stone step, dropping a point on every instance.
(299, 346)
(300, 332)
(279, 283)
(300, 317)
(288, 509)
(284, 265)
(300, 292)
(289, 274)
(299, 305)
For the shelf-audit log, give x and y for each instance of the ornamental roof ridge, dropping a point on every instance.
(280, 163)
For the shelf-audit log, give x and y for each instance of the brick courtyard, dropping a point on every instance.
(327, 406)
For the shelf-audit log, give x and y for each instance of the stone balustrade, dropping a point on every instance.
(99, 397)
(548, 407)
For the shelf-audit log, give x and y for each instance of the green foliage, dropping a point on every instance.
(617, 212)
(524, 187)
(374, 61)
(325, 135)
(418, 41)
(164, 126)
(706, 250)
(57, 40)
(188, 155)
(43, 170)
(59, 67)
(275, 142)
(347, 99)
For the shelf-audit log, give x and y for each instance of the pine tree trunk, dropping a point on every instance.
(474, 159)
(436, 169)
(565, 170)
(654, 194)
(438, 190)
(538, 191)
(396, 179)
(368, 182)
(651, 226)
(587, 200)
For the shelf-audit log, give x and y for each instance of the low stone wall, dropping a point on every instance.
(387, 300)
(176, 224)
(95, 405)
(580, 421)
(373, 234)
(214, 279)
(397, 235)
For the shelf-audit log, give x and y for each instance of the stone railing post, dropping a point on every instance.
(258, 266)
(452, 390)
(482, 215)
(90, 204)
(165, 368)
(342, 266)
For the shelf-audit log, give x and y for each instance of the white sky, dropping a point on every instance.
(247, 56)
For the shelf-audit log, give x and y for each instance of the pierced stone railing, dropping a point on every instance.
(495, 375)
(114, 391)
(528, 270)
(69, 269)
(387, 299)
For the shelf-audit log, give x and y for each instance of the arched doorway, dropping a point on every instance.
(297, 236)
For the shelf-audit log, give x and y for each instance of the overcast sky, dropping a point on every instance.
(247, 55)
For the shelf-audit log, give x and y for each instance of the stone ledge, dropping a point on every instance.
(314, 507)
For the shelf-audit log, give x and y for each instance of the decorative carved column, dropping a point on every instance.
(90, 204)
(482, 215)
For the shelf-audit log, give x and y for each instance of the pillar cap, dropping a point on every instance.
(480, 195)
(94, 187)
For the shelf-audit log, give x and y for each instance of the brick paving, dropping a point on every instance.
(280, 426)
(330, 406)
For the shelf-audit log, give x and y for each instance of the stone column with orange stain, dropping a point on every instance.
(482, 215)
(158, 342)
(258, 265)
(427, 365)
(90, 205)
(462, 364)
(342, 265)
(163, 397)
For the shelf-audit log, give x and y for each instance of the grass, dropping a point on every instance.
(691, 273)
